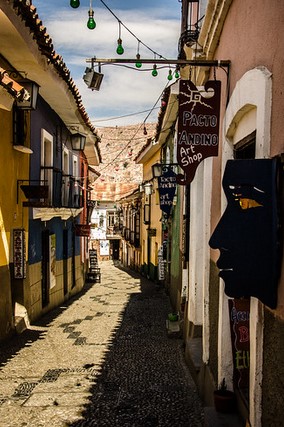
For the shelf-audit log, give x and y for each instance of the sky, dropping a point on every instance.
(124, 91)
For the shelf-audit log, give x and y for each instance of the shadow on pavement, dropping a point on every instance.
(143, 381)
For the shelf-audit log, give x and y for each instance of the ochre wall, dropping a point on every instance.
(13, 165)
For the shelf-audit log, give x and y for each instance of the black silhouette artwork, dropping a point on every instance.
(247, 234)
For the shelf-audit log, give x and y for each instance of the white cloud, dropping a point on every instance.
(123, 91)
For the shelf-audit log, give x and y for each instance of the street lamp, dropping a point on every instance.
(148, 189)
(93, 79)
(158, 168)
(29, 103)
(78, 141)
(147, 214)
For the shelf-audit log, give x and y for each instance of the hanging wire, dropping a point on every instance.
(152, 109)
(127, 29)
(130, 32)
(136, 132)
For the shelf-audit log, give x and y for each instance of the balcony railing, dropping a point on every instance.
(64, 190)
(35, 191)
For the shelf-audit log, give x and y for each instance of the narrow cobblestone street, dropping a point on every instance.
(102, 359)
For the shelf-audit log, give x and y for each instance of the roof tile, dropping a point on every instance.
(28, 13)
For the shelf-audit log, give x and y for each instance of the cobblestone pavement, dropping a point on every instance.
(102, 359)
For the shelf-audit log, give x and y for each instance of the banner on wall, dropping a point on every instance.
(19, 253)
(239, 310)
(104, 247)
(52, 249)
(83, 230)
(167, 189)
(198, 126)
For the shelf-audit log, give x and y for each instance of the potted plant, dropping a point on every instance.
(224, 400)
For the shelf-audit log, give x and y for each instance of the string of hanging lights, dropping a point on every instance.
(91, 24)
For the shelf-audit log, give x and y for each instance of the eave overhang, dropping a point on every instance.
(46, 214)
(26, 45)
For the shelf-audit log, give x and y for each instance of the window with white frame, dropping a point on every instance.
(47, 161)
(65, 177)
(77, 181)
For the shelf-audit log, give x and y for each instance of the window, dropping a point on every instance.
(77, 181)
(65, 177)
(245, 149)
(19, 126)
(47, 162)
(111, 219)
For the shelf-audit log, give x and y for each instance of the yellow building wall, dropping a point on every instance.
(156, 214)
(14, 165)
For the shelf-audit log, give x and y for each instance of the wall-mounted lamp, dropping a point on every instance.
(29, 103)
(148, 189)
(146, 219)
(93, 79)
(78, 141)
(158, 169)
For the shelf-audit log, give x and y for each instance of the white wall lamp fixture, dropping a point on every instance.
(92, 78)
(148, 188)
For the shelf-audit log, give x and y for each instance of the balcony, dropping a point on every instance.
(35, 191)
(63, 196)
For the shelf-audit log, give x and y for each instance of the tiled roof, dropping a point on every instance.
(14, 89)
(108, 191)
(28, 13)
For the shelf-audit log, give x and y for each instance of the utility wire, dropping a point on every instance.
(125, 115)
(138, 129)
(138, 40)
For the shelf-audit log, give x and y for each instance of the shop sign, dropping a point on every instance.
(19, 253)
(198, 126)
(161, 265)
(167, 189)
(83, 230)
(104, 247)
(52, 264)
(239, 311)
(93, 260)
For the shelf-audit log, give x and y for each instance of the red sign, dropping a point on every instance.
(239, 310)
(198, 126)
(83, 230)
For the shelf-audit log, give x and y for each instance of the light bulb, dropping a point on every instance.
(176, 74)
(138, 64)
(170, 75)
(75, 3)
(119, 49)
(154, 72)
(91, 22)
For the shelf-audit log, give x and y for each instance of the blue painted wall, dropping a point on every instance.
(46, 118)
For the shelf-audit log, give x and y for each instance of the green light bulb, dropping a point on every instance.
(91, 22)
(75, 3)
(176, 74)
(170, 75)
(119, 49)
(154, 72)
(138, 64)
